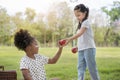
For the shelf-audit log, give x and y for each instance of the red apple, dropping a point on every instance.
(74, 49)
(62, 42)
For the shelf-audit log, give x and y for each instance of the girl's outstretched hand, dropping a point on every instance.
(64, 42)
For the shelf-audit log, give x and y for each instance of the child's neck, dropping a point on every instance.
(30, 55)
(80, 21)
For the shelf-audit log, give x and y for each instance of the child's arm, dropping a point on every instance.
(80, 32)
(26, 74)
(56, 57)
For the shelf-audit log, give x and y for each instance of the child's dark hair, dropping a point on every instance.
(82, 8)
(22, 39)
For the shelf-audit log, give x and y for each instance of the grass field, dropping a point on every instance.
(108, 62)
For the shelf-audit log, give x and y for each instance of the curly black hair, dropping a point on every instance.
(23, 39)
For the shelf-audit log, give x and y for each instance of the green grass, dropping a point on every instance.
(108, 62)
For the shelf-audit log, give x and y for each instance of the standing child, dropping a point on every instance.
(86, 44)
(32, 64)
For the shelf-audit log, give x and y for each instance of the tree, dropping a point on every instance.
(60, 21)
(42, 30)
(5, 27)
(18, 20)
(113, 13)
(30, 14)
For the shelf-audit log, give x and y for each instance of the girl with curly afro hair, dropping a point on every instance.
(32, 64)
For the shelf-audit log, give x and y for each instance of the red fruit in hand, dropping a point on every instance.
(74, 49)
(62, 42)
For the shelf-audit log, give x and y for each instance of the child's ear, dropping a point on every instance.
(28, 48)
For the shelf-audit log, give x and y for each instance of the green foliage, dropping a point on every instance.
(114, 11)
(30, 14)
(99, 33)
(111, 35)
(58, 24)
(5, 27)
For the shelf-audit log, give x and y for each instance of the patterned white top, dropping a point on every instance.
(36, 67)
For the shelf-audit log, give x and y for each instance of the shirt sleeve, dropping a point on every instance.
(42, 58)
(45, 59)
(85, 24)
(23, 64)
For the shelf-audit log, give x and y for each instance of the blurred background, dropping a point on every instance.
(52, 20)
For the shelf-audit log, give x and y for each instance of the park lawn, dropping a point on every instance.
(107, 58)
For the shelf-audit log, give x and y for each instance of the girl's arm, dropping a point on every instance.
(56, 57)
(80, 32)
(26, 74)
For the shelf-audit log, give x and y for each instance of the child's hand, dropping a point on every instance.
(59, 45)
(64, 42)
